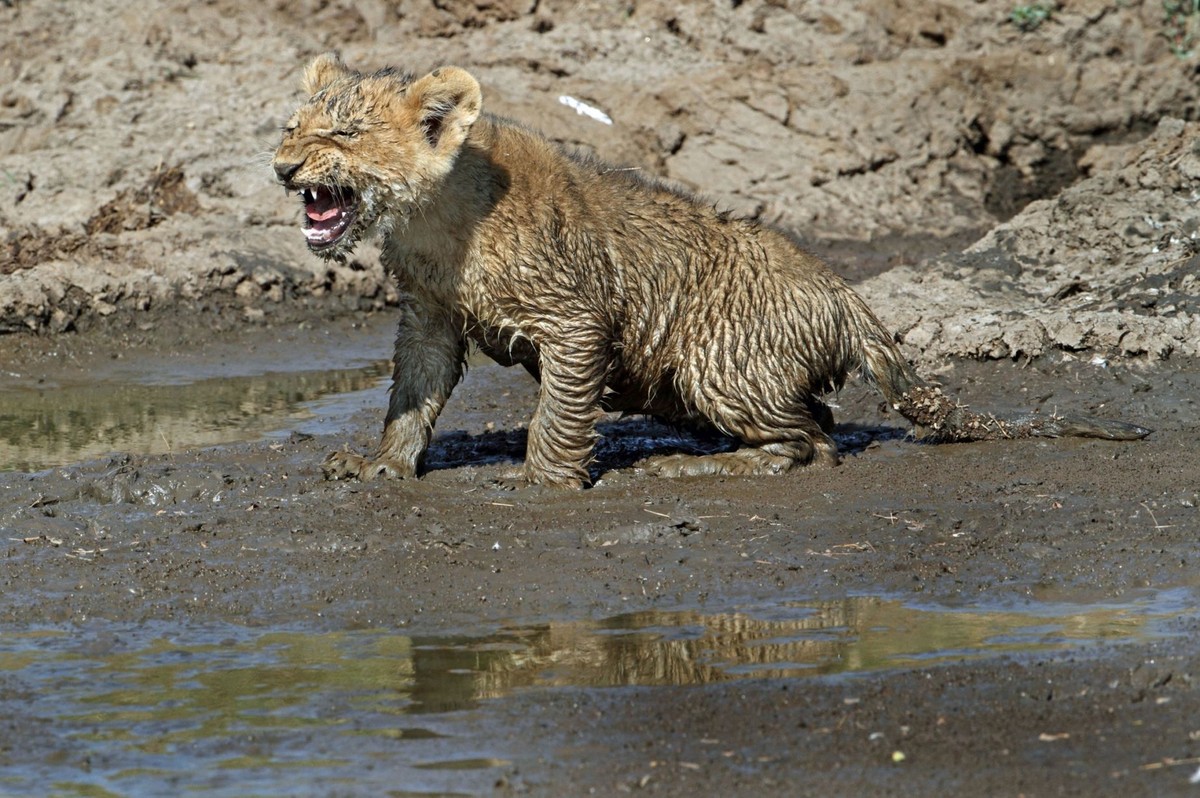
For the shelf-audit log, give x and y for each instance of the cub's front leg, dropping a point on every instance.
(562, 433)
(429, 358)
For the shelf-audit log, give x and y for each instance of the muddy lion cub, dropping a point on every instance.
(616, 292)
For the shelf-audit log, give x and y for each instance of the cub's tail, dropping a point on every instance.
(939, 418)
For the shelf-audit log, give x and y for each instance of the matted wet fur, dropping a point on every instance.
(616, 292)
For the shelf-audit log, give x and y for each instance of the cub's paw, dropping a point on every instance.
(682, 465)
(743, 462)
(347, 465)
(568, 479)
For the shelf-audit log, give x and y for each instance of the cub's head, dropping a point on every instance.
(365, 148)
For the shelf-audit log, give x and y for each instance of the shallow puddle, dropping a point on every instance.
(70, 423)
(227, 710)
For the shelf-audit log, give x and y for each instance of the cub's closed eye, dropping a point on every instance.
(345, 133)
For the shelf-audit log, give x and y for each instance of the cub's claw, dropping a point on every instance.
(346, 465)
(342, 465)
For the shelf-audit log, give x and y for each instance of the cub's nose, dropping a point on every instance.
(285, 170)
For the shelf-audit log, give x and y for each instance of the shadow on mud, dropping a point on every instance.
(623, 443)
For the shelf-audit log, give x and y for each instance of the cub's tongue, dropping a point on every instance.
(329, 214)
(322, 206)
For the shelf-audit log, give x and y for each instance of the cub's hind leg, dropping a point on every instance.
(773, 451)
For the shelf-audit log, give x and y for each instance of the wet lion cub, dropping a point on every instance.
(616, 292)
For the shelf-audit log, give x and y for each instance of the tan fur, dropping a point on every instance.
(616, 292)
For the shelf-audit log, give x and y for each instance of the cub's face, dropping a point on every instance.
(368, 147)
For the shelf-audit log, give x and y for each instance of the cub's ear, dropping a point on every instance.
(446, 103)
(323, 70)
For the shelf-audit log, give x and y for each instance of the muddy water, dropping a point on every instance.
(41, 428)
(234, 710)
(69, 406)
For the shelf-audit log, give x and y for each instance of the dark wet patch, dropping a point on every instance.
(1010, 189)
(165, 193)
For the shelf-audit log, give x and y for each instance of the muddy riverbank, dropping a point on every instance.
(1090, 545)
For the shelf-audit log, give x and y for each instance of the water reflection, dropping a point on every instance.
(64, 424)
(853, 634)
(269, 712)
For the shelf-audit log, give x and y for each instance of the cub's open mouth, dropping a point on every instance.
(328, 214)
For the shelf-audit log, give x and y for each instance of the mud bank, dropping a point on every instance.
(134, 155)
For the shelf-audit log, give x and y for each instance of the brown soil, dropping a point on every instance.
(1019, 205)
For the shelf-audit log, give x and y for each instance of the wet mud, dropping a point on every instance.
(1021, 598)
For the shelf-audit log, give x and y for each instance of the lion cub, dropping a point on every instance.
(616, 292)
